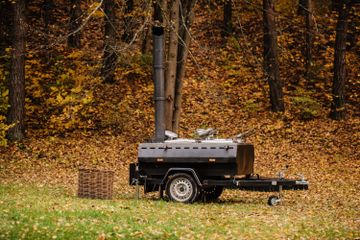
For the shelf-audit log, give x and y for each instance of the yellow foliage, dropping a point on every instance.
(62, 93)
(3, 130)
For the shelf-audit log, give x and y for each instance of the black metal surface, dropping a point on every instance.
(151, 185)
(203, 170)
(159, 83)
(260, 184)
(209, 159)
(175, 170)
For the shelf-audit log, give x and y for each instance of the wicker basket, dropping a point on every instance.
(95, 183)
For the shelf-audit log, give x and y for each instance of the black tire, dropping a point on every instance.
(209, 194)
(181, 187)
(273, 200)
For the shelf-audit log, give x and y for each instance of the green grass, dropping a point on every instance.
(35, 212)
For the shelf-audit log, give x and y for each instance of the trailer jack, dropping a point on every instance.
(161, 192)
(276, 200)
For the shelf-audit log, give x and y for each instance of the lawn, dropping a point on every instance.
(33, 211)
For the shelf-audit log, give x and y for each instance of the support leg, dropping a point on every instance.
(137, 190)
(161, 192)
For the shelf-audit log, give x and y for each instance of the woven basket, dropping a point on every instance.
(95, 183)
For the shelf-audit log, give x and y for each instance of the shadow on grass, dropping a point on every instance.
(221, 201)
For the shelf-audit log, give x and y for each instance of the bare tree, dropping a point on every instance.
(338, 110)
(146, 41)
(46, 9)
(170, 76)
(301, 7)
(158, 7)
(186, 18)
(159, 11)
(271, 63)
(110, 37)
(75, 22)
(16, 114)
(227, 18)
(128, 21)
(308, 11)
(335, 4)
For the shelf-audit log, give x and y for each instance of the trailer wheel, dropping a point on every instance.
(274, 200)
(212, 193)
(181, 187)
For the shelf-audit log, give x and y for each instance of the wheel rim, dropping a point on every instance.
(274, 201)
(181, 189)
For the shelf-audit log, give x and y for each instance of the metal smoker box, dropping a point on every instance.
(210, 158)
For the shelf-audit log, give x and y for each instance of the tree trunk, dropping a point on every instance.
(335, 4)
(308, 36)
(186, 18)
(338, 110)
(128, 22)
(146, 43)
(110, 55)
(170, 77)
(74, 24)
(227, 18)
(16, 112)
(271, 63)
(146, 35)
(159, 12)
(46, 8)
(301, 7)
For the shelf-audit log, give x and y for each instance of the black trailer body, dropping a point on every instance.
(201, 169)
(210, 159)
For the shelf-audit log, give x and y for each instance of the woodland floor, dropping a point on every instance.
(39, 180)
(38, 176)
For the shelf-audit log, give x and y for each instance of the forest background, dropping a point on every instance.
(88, 92)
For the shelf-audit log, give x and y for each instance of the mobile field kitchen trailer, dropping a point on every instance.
(189, 170)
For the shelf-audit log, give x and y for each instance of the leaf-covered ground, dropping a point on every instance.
(76, 121)
(39, 181)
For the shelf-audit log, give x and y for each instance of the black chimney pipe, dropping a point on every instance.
(159, 83)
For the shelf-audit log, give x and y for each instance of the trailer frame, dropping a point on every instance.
(245, 183)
